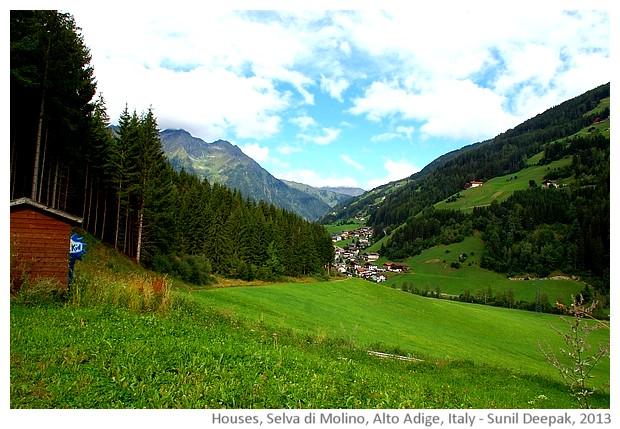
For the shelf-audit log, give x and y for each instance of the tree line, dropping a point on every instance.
(64, 154)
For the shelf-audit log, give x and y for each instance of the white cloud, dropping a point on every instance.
(205, 101)
(529, 63)
(278, 163)
(396, 170)
(347, 159)
(407, 52)
(334, 87)
(345, 48)
(303, 122)
(206, 98)
(407, 131)
(381, 99)
(401, 132)
(462, 73)
(385, 137)
(288, 149)
(328, 136)
(457, 109)
(257, 152)
(317, 179)
(585, 75)
(463, 110)
(464, 76)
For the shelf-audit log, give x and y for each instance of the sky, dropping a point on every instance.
(349, 97)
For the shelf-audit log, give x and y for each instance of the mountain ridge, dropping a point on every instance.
(225, 163)
(345, 190)
(482, 160)
(331, 196)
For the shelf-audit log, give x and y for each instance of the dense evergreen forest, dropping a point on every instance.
(64, 155)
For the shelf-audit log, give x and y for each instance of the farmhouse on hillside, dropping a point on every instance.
(395, 267)
(473, 184)
(40, 241)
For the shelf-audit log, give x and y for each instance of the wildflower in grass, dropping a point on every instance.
(577, 361)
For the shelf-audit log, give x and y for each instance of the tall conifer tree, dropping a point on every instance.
(52, 84)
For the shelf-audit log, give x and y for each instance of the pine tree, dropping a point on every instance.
(51, 87)
(150, 179)
(121, 164)
(191, 213)
(97, 145)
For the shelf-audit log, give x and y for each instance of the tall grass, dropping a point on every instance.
(106, 278)
(139, 292)
(42, 291)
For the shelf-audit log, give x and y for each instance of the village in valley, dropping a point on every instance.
(352, 260)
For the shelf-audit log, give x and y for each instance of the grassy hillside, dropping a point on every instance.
(373, 315)
(297, 345)
(432, 268)
(497, 189)
(500, 188)
(106, 357)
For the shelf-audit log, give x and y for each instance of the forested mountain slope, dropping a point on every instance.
(508, 152)
(536, 231)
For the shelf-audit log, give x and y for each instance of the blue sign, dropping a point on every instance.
(77, 247)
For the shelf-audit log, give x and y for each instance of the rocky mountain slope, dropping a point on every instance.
(225, 163)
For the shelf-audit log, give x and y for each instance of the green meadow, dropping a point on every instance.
(105, 357)
(374, 316)
(500, 188)
(432, 268)
(344, 226)
(128, 338)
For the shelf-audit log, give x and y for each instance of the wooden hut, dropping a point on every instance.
(40, 241)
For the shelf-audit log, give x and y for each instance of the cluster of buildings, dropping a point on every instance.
(362, 235)
(352, 261)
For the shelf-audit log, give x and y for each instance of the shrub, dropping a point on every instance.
(195, 269)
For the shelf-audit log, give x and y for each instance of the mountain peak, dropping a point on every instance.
(225, 163)
(175, 132)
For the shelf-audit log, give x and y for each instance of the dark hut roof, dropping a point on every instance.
(27, 202)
